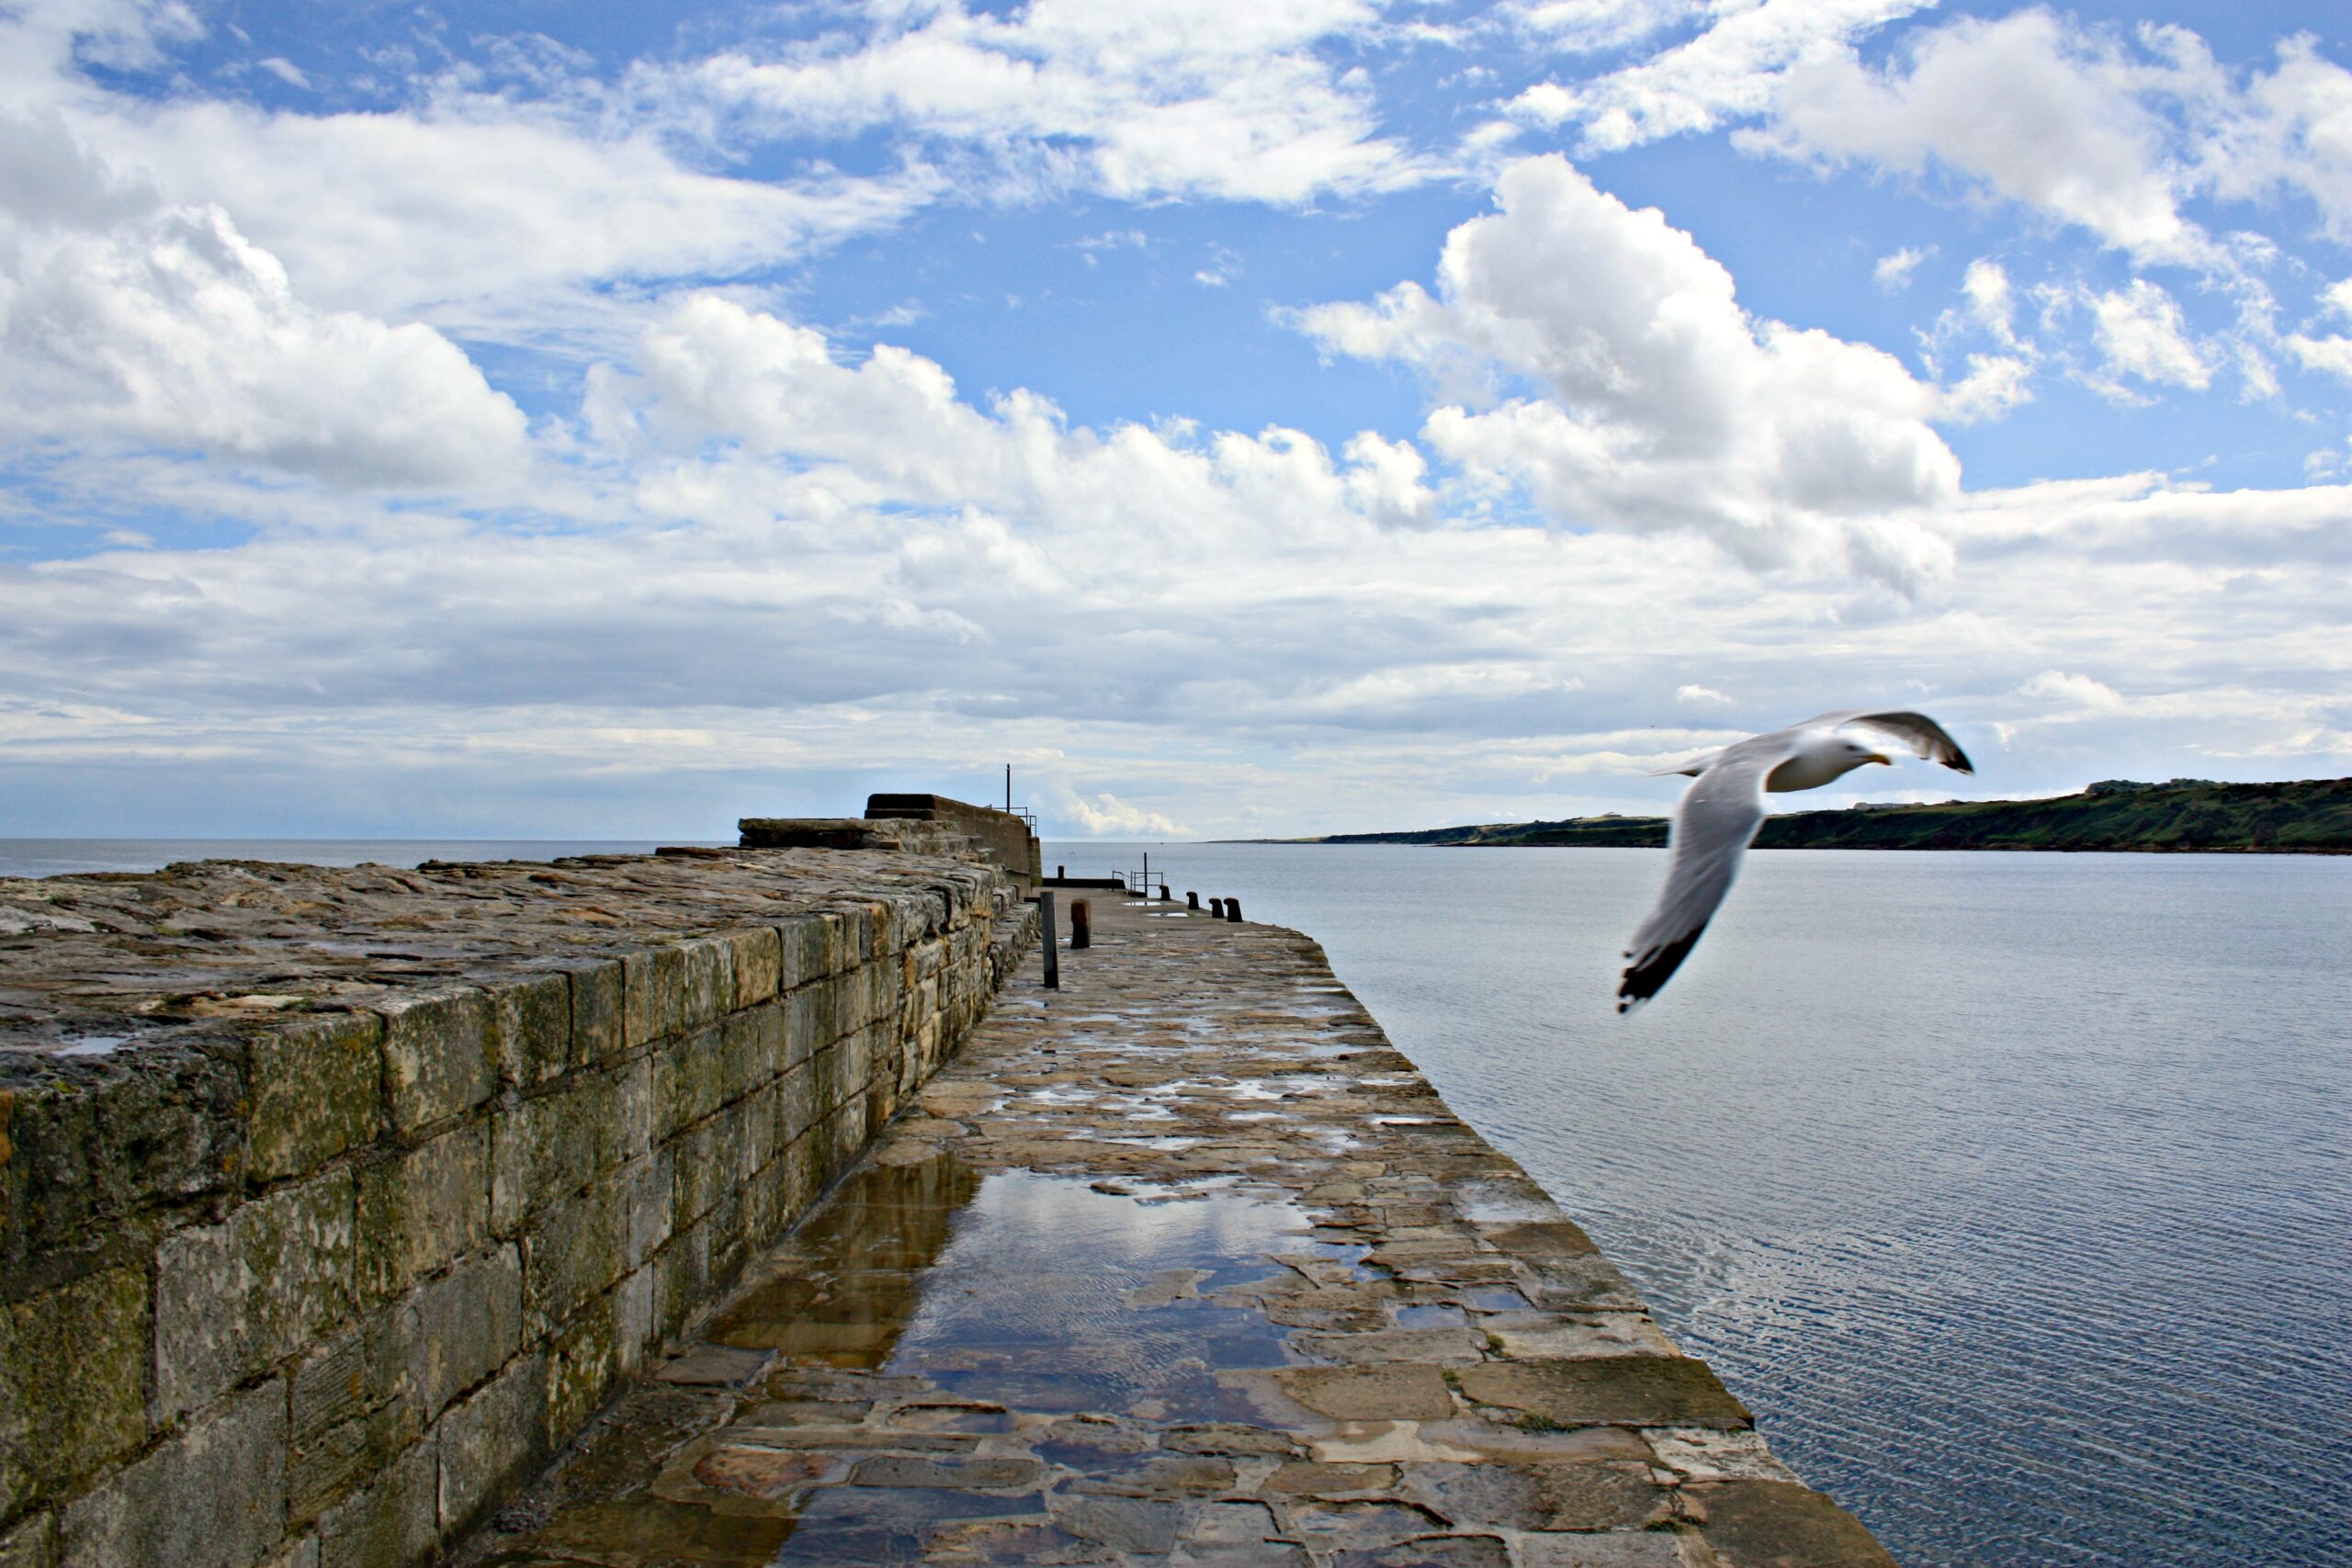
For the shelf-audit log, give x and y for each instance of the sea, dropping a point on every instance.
(2012, 1192)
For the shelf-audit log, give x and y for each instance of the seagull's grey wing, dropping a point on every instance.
(1923, 735)
(1717, 816)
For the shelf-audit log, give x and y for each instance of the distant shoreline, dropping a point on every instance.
(2306, 816)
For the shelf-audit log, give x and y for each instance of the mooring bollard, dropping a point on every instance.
(1192, 899)
(1053, 945)
(1081, 924)
(1217, 909)
(1061, 874)
(1232, 909)
(1165, 895)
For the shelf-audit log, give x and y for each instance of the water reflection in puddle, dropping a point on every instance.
(1038, 1292)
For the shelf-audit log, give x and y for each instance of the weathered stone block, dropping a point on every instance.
(598, 1007)
(396, 1521)
(813, 1018)
(681, 1282)
(583, 1364)
(492, 1440)
(73, 1382)
(757, 960)
(1630, 1391)
(1764, 1524)
(471, 1325)
(437, 1057)
(689, 1081)
(750, 1049)
(648, 1197)
(633, 1334)
(212, 1497)
(804, 946)
(313, 1086)
(232, 1298)
(698, 1170)
(352, 1405)
(574, 1253)
(669, 989)
(544, 1150)
(530, 1029)
(420, 1210)
(633, 1087)
(796, 1102)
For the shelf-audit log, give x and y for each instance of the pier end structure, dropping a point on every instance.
(333, 1201)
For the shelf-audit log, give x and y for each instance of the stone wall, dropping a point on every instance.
(332, 1202)
(1003, 836)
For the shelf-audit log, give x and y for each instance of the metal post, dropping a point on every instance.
(1008, 788)
(1217, 909)
(1192, 899)
(1081, 924)
(1053, 943)
(1232, 909)
(1061, 874)
(1165, 895)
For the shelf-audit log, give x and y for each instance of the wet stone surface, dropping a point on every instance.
(1184, 1265)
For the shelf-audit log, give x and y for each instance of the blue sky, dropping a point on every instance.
(1244, 416)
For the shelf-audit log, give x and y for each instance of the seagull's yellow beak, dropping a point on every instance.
(1880, 757)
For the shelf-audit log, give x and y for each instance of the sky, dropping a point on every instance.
(1242, 417)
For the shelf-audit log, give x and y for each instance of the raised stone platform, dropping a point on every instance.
(333, 1201)
(1182, 1266)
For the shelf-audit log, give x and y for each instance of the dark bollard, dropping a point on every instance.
(1165, 895)
(1232, 909)
(1053, 942)
(1192, 899)
(1081, 924)
(1217, 909)
(1061, 874)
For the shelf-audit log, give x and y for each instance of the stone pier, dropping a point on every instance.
(334, 1202)
(1180, 1266)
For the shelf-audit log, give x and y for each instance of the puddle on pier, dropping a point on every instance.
(1039, 1292)
(956, 1353)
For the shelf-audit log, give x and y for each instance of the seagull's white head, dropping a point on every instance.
(1819, 757)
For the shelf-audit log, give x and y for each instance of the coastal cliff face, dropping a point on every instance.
(333, 1201)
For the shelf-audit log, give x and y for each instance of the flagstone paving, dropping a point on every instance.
(1183, 1266)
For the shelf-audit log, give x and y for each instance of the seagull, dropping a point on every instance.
(1718, 816)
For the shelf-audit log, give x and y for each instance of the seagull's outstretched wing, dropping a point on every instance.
(1712, 824)
(1923, 735)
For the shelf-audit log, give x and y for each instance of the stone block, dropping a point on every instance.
(352, 1405)
(796, 1108)
(420, 1210)
(813, 1018)
(805, 950)
(233, 1298)
(599, 1005)
(1369, 1394)
(437, 1057)
(681, 1282)
(471, 1325)
(314, 1087)
(583, 1365)
(750, 1049)
(73, 1382)
(757, 960)
(302, 1553)
(698, 1170)
(688, 1081)
(530, 1029)
(633, 1087)
(648, 1197)
(544, 1150)
(680, 986)
(395, 1521)
(633, 1334)
(573, 1255)
(1625, 1391)
(213, 1494)
(168, 1129)
(493, 1442)
(1770, 1524)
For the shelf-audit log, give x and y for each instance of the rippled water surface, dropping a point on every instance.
(2013, 1190)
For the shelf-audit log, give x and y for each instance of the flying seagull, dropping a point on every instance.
(1720, 814)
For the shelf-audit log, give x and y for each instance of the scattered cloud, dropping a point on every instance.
(1892, 272)
(2141, 333)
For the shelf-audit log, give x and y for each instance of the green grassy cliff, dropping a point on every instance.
(2310, 817)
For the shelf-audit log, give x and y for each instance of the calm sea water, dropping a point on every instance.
(2012, 1191)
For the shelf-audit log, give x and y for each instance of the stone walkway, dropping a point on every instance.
(1182, 1266)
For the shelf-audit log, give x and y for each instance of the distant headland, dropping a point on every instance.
(2306, 816)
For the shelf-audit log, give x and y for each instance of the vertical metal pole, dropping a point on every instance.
(1008, 789)
(1053, 946)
